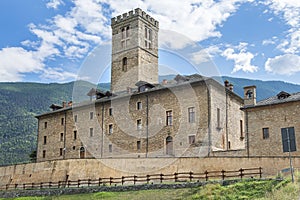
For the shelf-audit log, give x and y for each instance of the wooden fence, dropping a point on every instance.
(153, 178)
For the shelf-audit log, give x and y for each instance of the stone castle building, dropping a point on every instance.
(191, 116)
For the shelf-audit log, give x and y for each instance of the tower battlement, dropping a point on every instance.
(134, 13)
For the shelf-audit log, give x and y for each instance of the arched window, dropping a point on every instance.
(82, 152)
(124, 64)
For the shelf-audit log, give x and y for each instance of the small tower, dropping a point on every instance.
(134, 50)
(250, 95)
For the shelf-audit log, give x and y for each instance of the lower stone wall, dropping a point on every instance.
(75, 169)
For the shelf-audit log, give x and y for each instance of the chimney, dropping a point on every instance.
(250, 95)
(165, 82)
(64, 104)
(70, 104)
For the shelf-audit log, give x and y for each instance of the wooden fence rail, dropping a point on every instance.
(154, 178)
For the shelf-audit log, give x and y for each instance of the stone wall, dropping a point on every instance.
(94, 168)
(273, 117)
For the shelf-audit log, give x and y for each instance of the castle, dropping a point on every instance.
(192, 116)
(140, 126)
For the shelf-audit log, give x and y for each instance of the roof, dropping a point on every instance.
(182, 81)
(282, 97)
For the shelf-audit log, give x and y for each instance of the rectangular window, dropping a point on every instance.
(110, 111)
(169, 118)
(148, 37)
(45, 125)
(91, 132)
(288, 139)
(138, 145)
(110, 129)
(191, 114)
(241, 129)
(91, 115)
(218, 118)
(44, 153)
(229, 145)
(60, 151)
(75, 118)
(75, 135)
(139, 124)
(45, 139)
(265, 133)
(139, 105)
(62, 121)
(61, 137)
(110, 148)
(192, 139)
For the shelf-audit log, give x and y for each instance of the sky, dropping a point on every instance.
(50, 40)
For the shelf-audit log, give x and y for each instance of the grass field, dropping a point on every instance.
(262, 190)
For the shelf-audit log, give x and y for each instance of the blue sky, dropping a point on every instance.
(49, 40)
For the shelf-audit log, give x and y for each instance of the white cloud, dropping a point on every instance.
(289, 10)
(54, 4)
(287, 64)
(15, 61)
(240, 56)
(197, 20)
(205, 55)
(58, 74)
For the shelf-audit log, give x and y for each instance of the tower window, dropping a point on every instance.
(45, 139)
(45, 125)
(91, 132)
(110, 111)
(139, 105)
(44, 153)
(75, 135)
(265, 132)
(124, 64)
(61, 137)
(110, 148)
(138, 145)
(192, 139)
(148, 37)
(191, 114)
(91, 115)
(169, 118)
(125, 31)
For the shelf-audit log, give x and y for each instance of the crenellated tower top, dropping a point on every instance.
(133, 13)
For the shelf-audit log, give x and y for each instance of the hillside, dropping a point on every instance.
(20, 102)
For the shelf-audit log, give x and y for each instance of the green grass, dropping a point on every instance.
(253, 189)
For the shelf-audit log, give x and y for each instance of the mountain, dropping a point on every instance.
(21, 102)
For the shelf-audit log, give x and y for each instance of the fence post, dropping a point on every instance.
(58, 186)
(122, 180)
(260, 172)
(206, 175)
(175, 177)
(99, 183)
(78, 183)
(24, 186)
(32, 185)
(161, 177)
(110, 180)
(16, 185)
(6, 187)
(191, 176)
(148, 179)
(223, 174)
(241, 173)
(41, 185)
(134, 179)
(69, 183)
(89, 182)
(50, 184)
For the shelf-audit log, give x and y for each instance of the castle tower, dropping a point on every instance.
(250, 95)
(134, 50)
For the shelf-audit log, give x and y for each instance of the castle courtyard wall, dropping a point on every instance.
(94, 168)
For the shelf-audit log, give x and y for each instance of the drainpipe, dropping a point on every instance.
(209, 120)
(65, 132)
(247, 134)
(102, 129)
(147, 125)
(226, 117)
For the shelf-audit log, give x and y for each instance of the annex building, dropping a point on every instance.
(190, 116)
